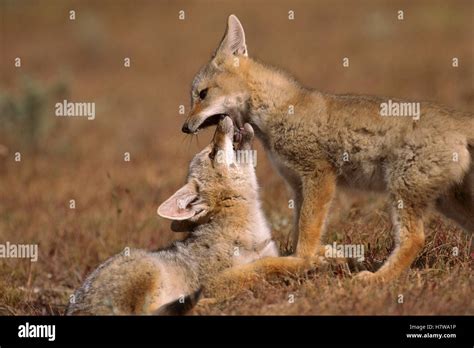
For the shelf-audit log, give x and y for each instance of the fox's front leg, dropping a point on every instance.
(409, 240)
(318, 192)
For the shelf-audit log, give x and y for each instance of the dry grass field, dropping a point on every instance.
(137, 111)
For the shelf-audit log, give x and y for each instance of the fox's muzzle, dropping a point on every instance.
(193, 125)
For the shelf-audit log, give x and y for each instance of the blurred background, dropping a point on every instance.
(137, 111)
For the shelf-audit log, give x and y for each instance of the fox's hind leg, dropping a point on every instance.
(233, 280)
(409, 240)
(415, 177)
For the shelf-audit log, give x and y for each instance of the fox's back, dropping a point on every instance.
(357, 111)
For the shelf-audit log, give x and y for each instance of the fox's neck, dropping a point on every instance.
(273, 93)
(212, 247)
(238, 220)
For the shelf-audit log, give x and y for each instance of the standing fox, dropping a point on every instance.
(221, 200)
(318, 141)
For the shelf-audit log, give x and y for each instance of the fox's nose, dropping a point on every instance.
(186, 129)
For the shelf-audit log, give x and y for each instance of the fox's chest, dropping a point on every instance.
(294, 148)
(275, 147)
(354, 167)
(284, 169)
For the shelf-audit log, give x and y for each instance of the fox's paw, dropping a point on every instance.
(318, 261)
(369, 277)
(365, 276)
(312, 263)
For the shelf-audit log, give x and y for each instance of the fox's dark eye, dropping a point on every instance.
(203, 93)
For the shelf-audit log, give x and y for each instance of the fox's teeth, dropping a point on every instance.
(237, 137)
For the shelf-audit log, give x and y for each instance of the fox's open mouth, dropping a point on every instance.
(211, 121)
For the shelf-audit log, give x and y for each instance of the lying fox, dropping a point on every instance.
(318, 141)
(221, 200)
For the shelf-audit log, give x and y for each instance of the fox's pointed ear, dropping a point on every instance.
(233, 41)
(179, 205)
